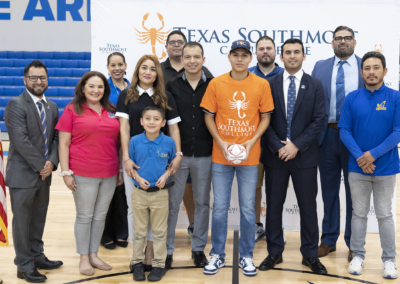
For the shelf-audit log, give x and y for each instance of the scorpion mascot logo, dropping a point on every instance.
(238, 104)
(153, 35)
(378, 48)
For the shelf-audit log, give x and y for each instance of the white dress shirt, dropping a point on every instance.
(351, 74)
(36, 99)
(150, 91)
(286, 83)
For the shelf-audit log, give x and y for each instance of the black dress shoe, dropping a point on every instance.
(168, 261)
(31, 276)
(122, 244)
(316, 266)
(156, 274)
(199, 258)
(138, 272)
(270, 261)
(147, 267)
(109, 245)
(48, 264)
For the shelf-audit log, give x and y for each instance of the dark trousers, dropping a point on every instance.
(116, 227)
(334, 157)
(29, 207)
(306, 189)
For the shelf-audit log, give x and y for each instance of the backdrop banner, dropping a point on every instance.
(136, 28)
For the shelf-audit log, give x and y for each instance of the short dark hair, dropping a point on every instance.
(36, 64)
(343, 28)
(374, 54)
(193, 44)
(265, 38)
(154, 107)
(176, 32)
(116, 54)
(292, 41)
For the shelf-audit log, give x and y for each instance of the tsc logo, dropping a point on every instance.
(239, 104)
(381, 106)
(378, 48)
(153, 35)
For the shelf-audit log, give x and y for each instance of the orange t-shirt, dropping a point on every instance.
(237, 106)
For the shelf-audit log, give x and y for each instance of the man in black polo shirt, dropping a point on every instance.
(173, 65)
(188, 89)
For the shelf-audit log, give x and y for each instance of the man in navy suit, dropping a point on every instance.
(291, 149)
(339, 75)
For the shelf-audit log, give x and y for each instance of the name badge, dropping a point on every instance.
(303, 86)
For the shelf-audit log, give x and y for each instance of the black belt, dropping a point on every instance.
(155, 188)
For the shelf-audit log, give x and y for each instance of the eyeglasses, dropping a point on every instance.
(174, 42)
(340, 38)
(35, 78)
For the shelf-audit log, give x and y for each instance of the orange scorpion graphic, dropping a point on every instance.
(153, 35)
(378, 48)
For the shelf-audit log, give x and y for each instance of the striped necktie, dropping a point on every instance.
(40, 104)
(291, 100)
(340, 90)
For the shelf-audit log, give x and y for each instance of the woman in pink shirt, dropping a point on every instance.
(88, 150)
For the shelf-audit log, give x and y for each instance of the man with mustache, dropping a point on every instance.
(33, 155)
(370, 129)
(339, 75)
(266, 68)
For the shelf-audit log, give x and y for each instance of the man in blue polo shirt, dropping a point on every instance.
(266, 68)
(370, 128)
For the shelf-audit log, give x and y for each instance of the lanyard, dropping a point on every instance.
(116, 88)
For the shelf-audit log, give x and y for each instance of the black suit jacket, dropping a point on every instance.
(307, 123)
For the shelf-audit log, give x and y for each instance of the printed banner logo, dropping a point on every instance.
(264, 210)
(153, 35)
(378, 48)
(238, 104)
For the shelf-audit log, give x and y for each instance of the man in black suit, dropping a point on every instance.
(33, 155)
(291, 149)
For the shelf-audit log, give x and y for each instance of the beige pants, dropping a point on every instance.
(155, 205)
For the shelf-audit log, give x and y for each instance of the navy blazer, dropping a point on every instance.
(307, 123)
(323, 71)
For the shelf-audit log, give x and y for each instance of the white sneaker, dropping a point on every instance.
(389, 270)
(216, 262)
(260, 233)
(246, 263)
(356, 266)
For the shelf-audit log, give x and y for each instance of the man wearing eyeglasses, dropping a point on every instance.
(339, 75)
(173, 65)
(33, 155)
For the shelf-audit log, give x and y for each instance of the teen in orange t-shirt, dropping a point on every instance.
(238, 106)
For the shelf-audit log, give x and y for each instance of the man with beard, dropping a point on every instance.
(33, 154)
(266, 68)
(370, 129)
(339, 75)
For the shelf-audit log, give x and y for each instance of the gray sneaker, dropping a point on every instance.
(260, 233)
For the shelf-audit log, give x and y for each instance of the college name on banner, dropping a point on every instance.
(136, 28)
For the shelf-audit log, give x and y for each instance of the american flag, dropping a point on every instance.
(3, 202)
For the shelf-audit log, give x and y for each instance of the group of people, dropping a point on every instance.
(131, 151)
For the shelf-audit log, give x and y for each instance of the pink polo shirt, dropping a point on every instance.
(94, 141)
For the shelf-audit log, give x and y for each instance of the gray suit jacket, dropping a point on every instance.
(26, 152)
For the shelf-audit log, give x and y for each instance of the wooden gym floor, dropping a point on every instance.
(60, 245)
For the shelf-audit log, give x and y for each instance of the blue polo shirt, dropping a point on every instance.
(256, 70)
(371, 122)
(152, 156)
(115, 91)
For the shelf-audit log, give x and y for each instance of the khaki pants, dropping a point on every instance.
(155, 205)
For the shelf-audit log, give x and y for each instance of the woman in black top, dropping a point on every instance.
(147, 87)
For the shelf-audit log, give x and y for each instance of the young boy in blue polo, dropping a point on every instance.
(152, 151)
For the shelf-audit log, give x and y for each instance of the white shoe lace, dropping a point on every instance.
(389, 266)
(214, 259)
(248, 261)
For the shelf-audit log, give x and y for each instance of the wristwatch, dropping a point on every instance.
(179, 154)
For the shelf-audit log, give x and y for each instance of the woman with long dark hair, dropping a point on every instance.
(147, 87)
(88, 151)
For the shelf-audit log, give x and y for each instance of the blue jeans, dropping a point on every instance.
(222, 178)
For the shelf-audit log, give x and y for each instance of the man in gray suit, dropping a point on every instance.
(33, 154)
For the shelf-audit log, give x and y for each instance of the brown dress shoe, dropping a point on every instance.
(324, 249)
(350, 256)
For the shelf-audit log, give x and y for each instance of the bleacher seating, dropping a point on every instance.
(65, 70)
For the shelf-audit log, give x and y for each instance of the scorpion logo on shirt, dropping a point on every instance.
(238, 104)
(153, 35)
